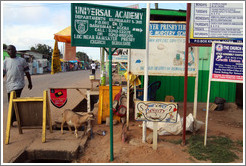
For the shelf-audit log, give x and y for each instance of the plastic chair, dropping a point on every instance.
(152, 89)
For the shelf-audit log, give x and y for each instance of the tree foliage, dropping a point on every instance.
(82, 56)
(43, 49)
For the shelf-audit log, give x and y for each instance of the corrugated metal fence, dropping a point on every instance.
(174, 86)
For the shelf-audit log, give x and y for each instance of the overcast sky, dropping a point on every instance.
(26, 23)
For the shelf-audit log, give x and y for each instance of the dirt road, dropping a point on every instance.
(44, 82)
(221, 123)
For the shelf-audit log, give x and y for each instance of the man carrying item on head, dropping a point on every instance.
(15, 68)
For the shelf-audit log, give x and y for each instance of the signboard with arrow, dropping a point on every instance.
(107, 26)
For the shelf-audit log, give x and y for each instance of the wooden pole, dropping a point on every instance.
(44, 117)
(49, 113)
(146, 67)
(9, 118)
(186, 70)
(196, 53)
(17, 115)
(128, 89)
(155, 135)
(111, 105)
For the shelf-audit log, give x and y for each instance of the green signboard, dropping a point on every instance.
(107, 26)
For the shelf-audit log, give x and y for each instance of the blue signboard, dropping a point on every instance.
(167, 29)
(227, 62)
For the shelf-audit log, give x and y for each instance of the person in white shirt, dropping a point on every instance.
(15, 68)
(93, 67)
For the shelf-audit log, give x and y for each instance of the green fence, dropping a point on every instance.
(174, 86)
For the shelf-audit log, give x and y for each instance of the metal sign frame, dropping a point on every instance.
(94, 26)
(188, 44)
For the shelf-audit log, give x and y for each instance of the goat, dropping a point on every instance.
(76, 120)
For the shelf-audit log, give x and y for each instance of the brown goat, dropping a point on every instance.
(76, 120)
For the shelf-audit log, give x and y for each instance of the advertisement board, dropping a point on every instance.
(107, 26)
(166, 51)
(216, 22)
(156, 111)
(227, 62)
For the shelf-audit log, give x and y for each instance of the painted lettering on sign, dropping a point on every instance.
(166, 41)
(227, 62)
(156, 111)
(107, 26)
(216, 22)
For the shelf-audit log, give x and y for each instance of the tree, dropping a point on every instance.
(82, 56)
(5, 46)
(43, 49)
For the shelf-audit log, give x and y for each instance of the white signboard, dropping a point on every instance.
(166, 51)
(156, 111)
(216, 21)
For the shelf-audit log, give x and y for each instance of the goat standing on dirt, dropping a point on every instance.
(76, 120)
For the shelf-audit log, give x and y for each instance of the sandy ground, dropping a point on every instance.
(228, 122)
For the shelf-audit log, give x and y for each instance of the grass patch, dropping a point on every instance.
(218, 149)
(239, 142)
(175, 141)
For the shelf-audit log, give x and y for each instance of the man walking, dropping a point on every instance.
(15, 68)
(93, 67)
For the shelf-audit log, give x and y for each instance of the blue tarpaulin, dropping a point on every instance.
(73, 61)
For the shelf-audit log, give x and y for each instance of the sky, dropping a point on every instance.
(27, 23)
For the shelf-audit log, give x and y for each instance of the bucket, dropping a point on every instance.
(92, 76)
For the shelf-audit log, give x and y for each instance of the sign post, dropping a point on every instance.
(226, 65)
(146, 65)
(111, 105)
(110, 27)
(156, 112)
(208, 22)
